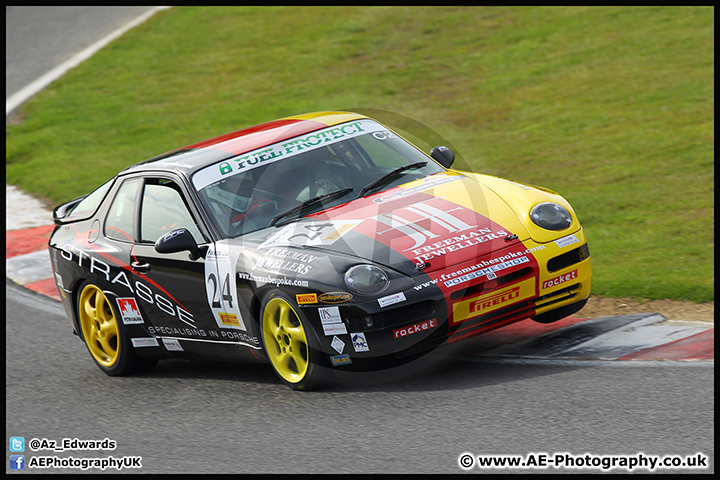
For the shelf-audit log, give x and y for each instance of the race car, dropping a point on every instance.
(321, 243)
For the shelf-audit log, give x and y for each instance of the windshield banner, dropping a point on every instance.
(286, 149)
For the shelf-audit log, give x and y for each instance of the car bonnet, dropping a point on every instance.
(438, 221)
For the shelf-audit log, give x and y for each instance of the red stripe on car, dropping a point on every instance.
(252, 138)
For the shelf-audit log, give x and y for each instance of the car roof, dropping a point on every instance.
(187, 160)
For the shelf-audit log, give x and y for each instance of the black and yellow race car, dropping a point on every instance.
(323, 243)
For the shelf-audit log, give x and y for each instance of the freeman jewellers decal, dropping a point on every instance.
(286, 260)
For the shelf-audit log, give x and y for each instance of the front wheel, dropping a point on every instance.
(105, 337)
(286, 344)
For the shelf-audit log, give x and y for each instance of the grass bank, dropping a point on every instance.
(613, 107)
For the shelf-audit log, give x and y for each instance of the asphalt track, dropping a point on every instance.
(613, 386)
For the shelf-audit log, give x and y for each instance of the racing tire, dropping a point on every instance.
(285, 337)
(105, 337)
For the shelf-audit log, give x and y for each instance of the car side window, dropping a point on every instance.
(164, 210)
(120, 221)
(89, 204)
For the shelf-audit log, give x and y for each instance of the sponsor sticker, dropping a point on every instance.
(391, 299)
(337, 344)
(143, 291)
(221, 286)
(335, 297)
(310, 233)
(341, 230)
(418, 327)
(334, 329)
(286, 260)
(411, 222)
(282, 150)
(553, 282)
(145, 342)
(228, 319)
(329, 315)
(427, 184)
(359, 342)
(129, 311)
(306, 298)
(565, 241)
(340, 360)
(172, 345)
(331, 321)
(489, 302)
(487, 271)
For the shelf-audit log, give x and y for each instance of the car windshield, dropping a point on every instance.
(245, 193)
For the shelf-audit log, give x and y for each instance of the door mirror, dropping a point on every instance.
(444, 155)
(178, 241)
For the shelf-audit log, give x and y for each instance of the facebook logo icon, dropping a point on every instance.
(17, 462)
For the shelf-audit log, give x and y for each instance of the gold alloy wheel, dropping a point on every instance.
(285, 340)
(99, 326)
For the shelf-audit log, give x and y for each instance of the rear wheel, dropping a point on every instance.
(286, 343)
(105, 337)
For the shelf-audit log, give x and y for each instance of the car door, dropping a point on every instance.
(171, 286)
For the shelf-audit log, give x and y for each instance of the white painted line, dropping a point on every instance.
(23, 95)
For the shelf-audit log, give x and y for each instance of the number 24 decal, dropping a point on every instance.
(225, 293)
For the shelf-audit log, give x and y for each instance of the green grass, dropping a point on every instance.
(613, 107)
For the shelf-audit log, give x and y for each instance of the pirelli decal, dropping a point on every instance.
(486, 303)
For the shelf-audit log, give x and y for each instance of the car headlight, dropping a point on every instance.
(550, 216)
(366, 279)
